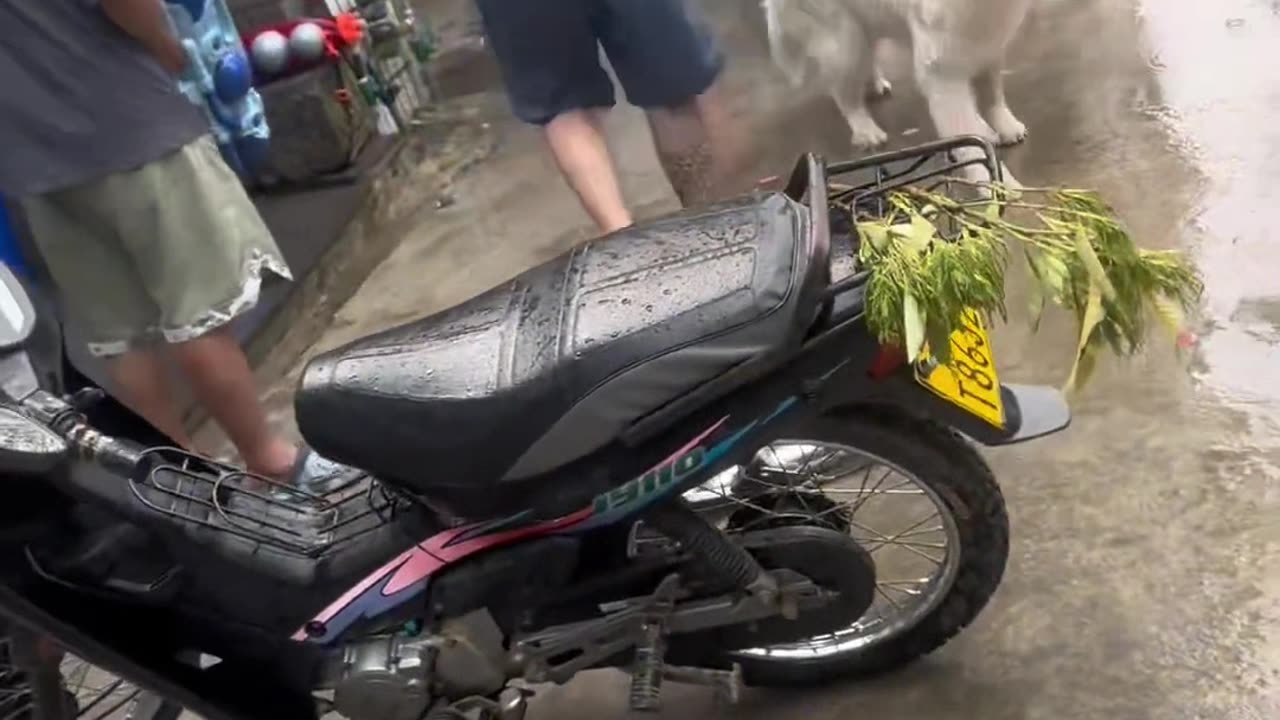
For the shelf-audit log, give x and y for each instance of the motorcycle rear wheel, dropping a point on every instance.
(943, 467)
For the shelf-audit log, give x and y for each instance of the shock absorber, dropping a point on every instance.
(722, 556)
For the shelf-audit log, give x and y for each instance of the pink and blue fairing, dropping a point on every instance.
(408, 575)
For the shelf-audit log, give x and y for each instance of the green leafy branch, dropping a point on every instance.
(1081, 258)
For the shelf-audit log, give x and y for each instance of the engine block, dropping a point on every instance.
(398, 676)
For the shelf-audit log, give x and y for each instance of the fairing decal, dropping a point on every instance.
(354, 604)
(440, 549)
(408, 574)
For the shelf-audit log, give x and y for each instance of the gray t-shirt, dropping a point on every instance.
(80, 99)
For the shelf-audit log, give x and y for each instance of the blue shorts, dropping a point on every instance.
(549, 52)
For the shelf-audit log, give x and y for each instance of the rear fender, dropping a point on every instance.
(1031, 411)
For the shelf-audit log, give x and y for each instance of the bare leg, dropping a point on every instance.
(142, 384)
(577, 141)
(989, 88)
(219, 373)
(682, 139)
(701, 147)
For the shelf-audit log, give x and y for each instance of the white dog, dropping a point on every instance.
(958, 49)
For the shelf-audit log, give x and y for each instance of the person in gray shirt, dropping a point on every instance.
(150, 239)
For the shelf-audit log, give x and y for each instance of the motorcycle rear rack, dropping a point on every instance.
(861, 188)
(865, 185)
(302, 521)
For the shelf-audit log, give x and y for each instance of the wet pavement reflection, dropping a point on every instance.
(1144, 580)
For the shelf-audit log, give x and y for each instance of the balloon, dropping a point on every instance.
(270, 52)
(306, 42)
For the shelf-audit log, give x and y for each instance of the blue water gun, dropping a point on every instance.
(10, 250)
(219, 79)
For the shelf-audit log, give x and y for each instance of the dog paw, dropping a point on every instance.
(1011, 134)
(1009, 129)
(869, 138)
(867, 134)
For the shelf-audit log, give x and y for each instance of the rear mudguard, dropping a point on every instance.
(1031, 411)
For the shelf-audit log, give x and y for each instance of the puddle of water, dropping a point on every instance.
(1212, 63)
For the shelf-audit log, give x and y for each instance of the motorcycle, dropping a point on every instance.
(630, 457)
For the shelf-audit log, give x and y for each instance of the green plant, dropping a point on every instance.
(932, 256)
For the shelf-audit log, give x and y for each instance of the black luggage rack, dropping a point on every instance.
(864, 185)
(299, 521)
(861, 188)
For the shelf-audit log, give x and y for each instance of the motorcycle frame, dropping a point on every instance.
(838, 342)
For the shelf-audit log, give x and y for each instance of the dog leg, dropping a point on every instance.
(785, 58)
(954, 111)
(867, 133)
(953, 107)
(945, 80)
(989, 87)
(1010, 182)
(849, 92)
(880, 86)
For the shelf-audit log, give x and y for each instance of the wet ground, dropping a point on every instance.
(1144, 580)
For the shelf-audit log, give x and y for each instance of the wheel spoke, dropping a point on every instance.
(896, 539)
(820, 483)
(908, 544)
(886, 491)
(922, 531)
(863, 500)
(906, 587)
(804, 469)
(885, 595)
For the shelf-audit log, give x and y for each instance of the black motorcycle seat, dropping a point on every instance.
(559, 361)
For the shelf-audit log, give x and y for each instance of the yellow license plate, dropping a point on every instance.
(969, 381)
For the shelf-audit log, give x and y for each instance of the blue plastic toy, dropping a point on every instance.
(219, 78)
(10, 251)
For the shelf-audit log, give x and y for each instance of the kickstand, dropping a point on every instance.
(650, 668)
